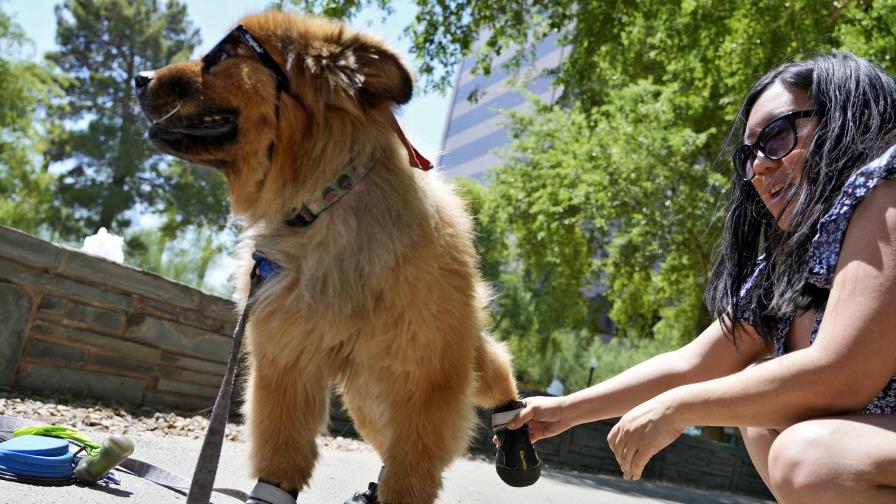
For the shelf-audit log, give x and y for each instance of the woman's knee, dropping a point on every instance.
(798, 459)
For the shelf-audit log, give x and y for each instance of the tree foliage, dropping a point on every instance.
(25, 90)
(583, 219)
(571, 359)
(187, 257)
(108, 167)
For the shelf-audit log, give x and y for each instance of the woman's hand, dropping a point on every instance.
(641, 433)
(546, 417)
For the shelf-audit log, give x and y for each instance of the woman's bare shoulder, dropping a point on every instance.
(872, 230)
(856, 334)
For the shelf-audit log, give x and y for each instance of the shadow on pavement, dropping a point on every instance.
(100, 487)
(683, 495)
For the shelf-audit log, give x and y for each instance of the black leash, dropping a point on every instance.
(170, 480)
(210, 454)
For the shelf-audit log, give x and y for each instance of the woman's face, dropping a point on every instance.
(776, 179)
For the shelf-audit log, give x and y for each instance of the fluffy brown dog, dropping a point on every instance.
(380, 294)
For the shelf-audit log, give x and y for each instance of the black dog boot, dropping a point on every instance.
(267, 492)
(517, 462)
(368, 497)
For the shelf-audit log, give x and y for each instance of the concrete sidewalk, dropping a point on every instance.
(341, 473)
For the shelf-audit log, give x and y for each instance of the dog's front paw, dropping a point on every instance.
(516, 461)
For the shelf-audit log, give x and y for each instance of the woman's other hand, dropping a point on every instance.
(642, 433)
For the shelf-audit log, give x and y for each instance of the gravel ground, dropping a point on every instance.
(93, 415)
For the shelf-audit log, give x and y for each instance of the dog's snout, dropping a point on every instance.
(142, 80)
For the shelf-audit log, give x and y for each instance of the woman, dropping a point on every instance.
(803, 356)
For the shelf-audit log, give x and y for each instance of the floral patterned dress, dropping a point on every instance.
(823, 255)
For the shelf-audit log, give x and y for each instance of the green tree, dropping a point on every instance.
(186, 258)
(108, 167)
(585, 216)
(26, 88)
(489, 240)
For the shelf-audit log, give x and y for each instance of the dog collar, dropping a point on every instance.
(344, 183)
(266, 268)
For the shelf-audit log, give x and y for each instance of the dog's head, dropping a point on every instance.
(279, 103)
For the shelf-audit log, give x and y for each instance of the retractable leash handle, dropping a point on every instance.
(114, 450)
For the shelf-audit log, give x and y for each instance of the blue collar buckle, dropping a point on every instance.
(264, 267)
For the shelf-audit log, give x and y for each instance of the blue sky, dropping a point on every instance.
(422, 119)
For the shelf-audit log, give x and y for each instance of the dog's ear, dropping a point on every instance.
(383, 74)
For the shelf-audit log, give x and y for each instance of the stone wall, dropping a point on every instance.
(75, 323)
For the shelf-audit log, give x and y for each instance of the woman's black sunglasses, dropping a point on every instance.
(776, 140)
(220, 52)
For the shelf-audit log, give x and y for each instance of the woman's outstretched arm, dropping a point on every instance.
(709, 356)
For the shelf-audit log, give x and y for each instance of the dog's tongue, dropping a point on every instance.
(414, 157)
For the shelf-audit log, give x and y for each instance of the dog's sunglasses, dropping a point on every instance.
(219, 52)
(777, 139)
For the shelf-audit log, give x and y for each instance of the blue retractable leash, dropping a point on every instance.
(41, 454)
(45, 460)
(37, 459)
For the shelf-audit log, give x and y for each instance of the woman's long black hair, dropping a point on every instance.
(856, 103)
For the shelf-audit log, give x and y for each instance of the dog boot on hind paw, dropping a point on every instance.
(267, 492)
(517, 462)
(368, 497)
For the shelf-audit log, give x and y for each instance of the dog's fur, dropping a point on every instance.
(381, 295)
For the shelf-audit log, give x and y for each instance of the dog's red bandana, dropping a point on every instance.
(414, 157)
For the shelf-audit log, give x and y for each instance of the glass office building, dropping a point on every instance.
(475, 129)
